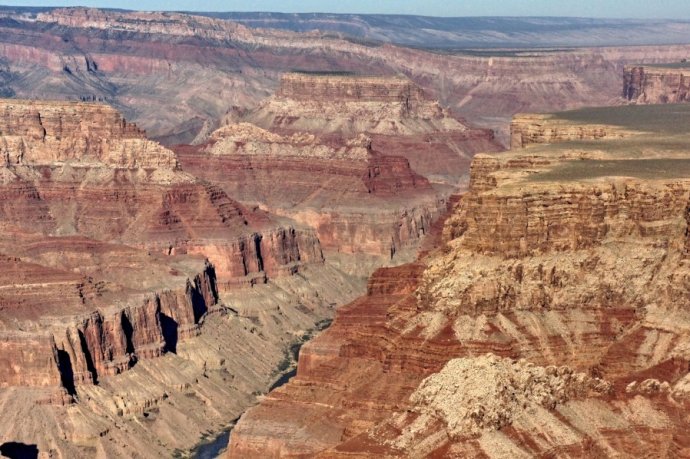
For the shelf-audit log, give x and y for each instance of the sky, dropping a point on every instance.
(675, 9)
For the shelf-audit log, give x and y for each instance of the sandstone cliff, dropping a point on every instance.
(568, 263)
(657, 84)
(36, 132)
(526, 129)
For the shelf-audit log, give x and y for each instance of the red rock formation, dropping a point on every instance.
(28, 360)
(400, 118)
(110, 311)
(37, 132)
(351, 195)
(342, 163)
(83, 169)
(554, 260)
(109, 182)
(96, 339)
(308, 87)
(657, 84)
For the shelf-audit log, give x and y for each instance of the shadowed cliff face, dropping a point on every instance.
(567, 262)
(138, 62)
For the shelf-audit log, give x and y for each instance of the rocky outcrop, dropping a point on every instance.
(657, 84)
(396, 114)
(315, 86)
(28, 360)
(355, 163)
(351, 194)
(81, 168)
(37, 132)
(90, 337)
(578, 294)
(526, 129)
(495, 390)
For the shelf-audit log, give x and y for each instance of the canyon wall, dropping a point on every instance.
(306, 86)
(353, 157)
(37, 132)
(551, 318)
(657, 84)
(131, 288)
(526, 129)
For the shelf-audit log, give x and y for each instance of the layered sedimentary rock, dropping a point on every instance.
(351, 156)
(130, 288)
(38, 132)
(657, 84)
(358, 200)
(526, 129)
(80, 168)
(566, 262)
(400, 118)
(88, 337)
(79, 54)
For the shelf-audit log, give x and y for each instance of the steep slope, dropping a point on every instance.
(350, 156)
(568, 263)
(657, 84)
(119, 338)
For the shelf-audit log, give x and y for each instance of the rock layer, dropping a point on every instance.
(565, 261)
(37, 132)
(79, 54)
(344, 163)
(526, 129)
(130, 288)
(657, 84)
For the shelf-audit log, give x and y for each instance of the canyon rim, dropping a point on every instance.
(257, 235)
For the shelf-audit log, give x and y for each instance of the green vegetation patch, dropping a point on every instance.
(663, 118)
(657, 168)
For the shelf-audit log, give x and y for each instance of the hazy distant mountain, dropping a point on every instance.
(427, 31)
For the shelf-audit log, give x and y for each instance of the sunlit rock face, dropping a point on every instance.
(126, 283)
(657, 84)
(551, 316)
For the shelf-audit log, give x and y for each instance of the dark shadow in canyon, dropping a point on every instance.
(15, 450)
(66, 371)
(170, 333)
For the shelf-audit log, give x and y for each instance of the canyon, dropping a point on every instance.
(134, 293)
(547, 318)
(149, 65)
(367, 162)
(186, 200)
(143, 284)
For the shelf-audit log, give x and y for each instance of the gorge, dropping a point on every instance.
(319, 240)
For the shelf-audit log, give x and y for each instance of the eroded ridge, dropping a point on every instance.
(566, 261)
(132, 292)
